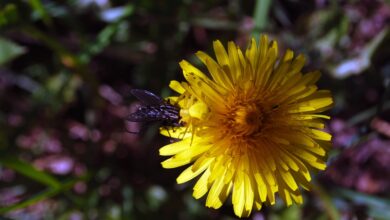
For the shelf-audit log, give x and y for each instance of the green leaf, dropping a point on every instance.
(105, 36)
(9, 50)
(41, 11)
(34, 199)
(29, 171)
(8, 14)
(50, 192)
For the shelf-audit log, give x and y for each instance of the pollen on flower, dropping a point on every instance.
(251, 129)
(244, 120)
(248, 116)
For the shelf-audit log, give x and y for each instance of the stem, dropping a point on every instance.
(260, 16)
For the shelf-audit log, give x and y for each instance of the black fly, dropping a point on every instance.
(154, 109)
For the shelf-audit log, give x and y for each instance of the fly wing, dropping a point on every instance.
(146, 97)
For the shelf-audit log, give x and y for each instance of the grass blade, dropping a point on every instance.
(50, 192)
(260, 17)
(29, 171)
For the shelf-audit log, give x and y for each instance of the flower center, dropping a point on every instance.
(247, 119)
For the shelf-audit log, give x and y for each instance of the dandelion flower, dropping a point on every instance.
(251, 129)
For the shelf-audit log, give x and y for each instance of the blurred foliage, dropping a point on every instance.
(66, 68)
(9, 50)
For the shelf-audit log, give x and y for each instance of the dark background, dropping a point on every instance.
(66, 69)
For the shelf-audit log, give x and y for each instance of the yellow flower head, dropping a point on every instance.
(251, 129)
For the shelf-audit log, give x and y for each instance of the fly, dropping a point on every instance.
(154, 109)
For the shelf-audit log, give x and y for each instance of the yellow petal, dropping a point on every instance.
(288, 179)
(261, 186)
(213, 196)
(172, 99)
(288, 55)
(319, 164)
(202, 185)
(175, 147)
(311, 116)
(203, 89)
(234, 62)
(285, 195)
(220, 53)
(304, 154)
(199, 110)
(238, 197)
(174, 162)
(189, 174)
(175, 132)
(189, 68)
(200, 161)
(320, 135)
(303, 182)
(312, 105)
(297, 197)
(271, 194)
(217, 73)
(218, 168)
(226, 191)
(297, 64)
(176, 86)
(193, 151)
(249, 194)
(311, 77)
(268, 64)
(288, 158)
(251, 53)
